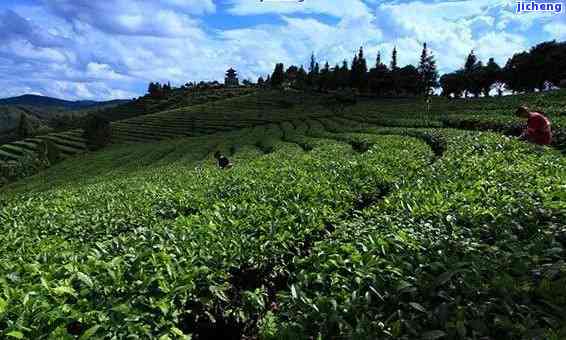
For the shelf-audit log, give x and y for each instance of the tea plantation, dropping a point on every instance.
(337, 221)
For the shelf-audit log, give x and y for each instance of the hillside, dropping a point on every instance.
(43, 101)
(69, 140)
(333, 223)
(45, 113)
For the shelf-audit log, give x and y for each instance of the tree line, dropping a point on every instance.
(378, 78)
(542, 67)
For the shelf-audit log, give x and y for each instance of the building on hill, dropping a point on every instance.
(231, 79)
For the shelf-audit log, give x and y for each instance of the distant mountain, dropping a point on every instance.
(41, 101)
(42, 110)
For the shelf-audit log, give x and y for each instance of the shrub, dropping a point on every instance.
(48, 151)
(97, 132)
(27, 165)
(25, 128)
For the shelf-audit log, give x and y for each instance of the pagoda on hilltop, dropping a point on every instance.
(231, 79)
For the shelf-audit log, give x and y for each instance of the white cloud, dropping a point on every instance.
(102, 72)
(192, 6)
(499, 46)
(557, 30)
(335, 8)
(128, 17)
(100, 50)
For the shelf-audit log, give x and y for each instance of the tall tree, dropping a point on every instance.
(324, 81)
(312, 63)
(311, 75)
(471, 61)
(359, 70)
(380, 81)
(378, 59)
(547, 60)
(155, 90)
(409, 80)
(291, 74)
(453, 84)
(394, 72)
(476, 79)
(301, 77)
(519, 73)
(428, 75)
(344, 79)
(278, 76)
(491, 74)
(471, 72)
(316, 75)
(393, 66)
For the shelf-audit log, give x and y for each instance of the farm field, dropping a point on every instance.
(359, 221)
(71, 142)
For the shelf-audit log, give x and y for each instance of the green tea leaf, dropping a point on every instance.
(15, 334)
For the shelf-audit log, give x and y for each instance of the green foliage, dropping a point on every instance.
(25, 128)
(429, 232)
(48, 151)
(97, 132)
(428, 74)
(278, 76)
(538, 68)
(25, 166)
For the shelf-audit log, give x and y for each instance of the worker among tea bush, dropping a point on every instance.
(538, 126)
(223, 161)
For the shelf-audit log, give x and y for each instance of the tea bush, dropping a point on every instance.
(324, 228)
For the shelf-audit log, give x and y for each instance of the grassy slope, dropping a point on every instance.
(449, 251)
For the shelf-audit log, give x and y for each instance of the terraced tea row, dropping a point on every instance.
(68, 143)
(235, 113)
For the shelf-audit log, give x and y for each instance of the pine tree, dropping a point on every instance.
(362, 62)
(324, 81)
(471, 74)
(492, 74)
(312, 64)
(378, 60)
(394, 60)
(471, 61)
(394, 72)
(344, 79)
(335, 77)
(354, 72)
(427, 72)
(311, 75)
(278, 76)
(359, 70)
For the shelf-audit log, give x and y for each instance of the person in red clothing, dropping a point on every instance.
(538, 126)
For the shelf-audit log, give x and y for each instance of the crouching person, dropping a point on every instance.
(223, 161)
(538, 127)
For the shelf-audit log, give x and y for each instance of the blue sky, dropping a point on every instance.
(91, 49)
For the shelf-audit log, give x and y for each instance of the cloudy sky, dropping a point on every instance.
(106, 49)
